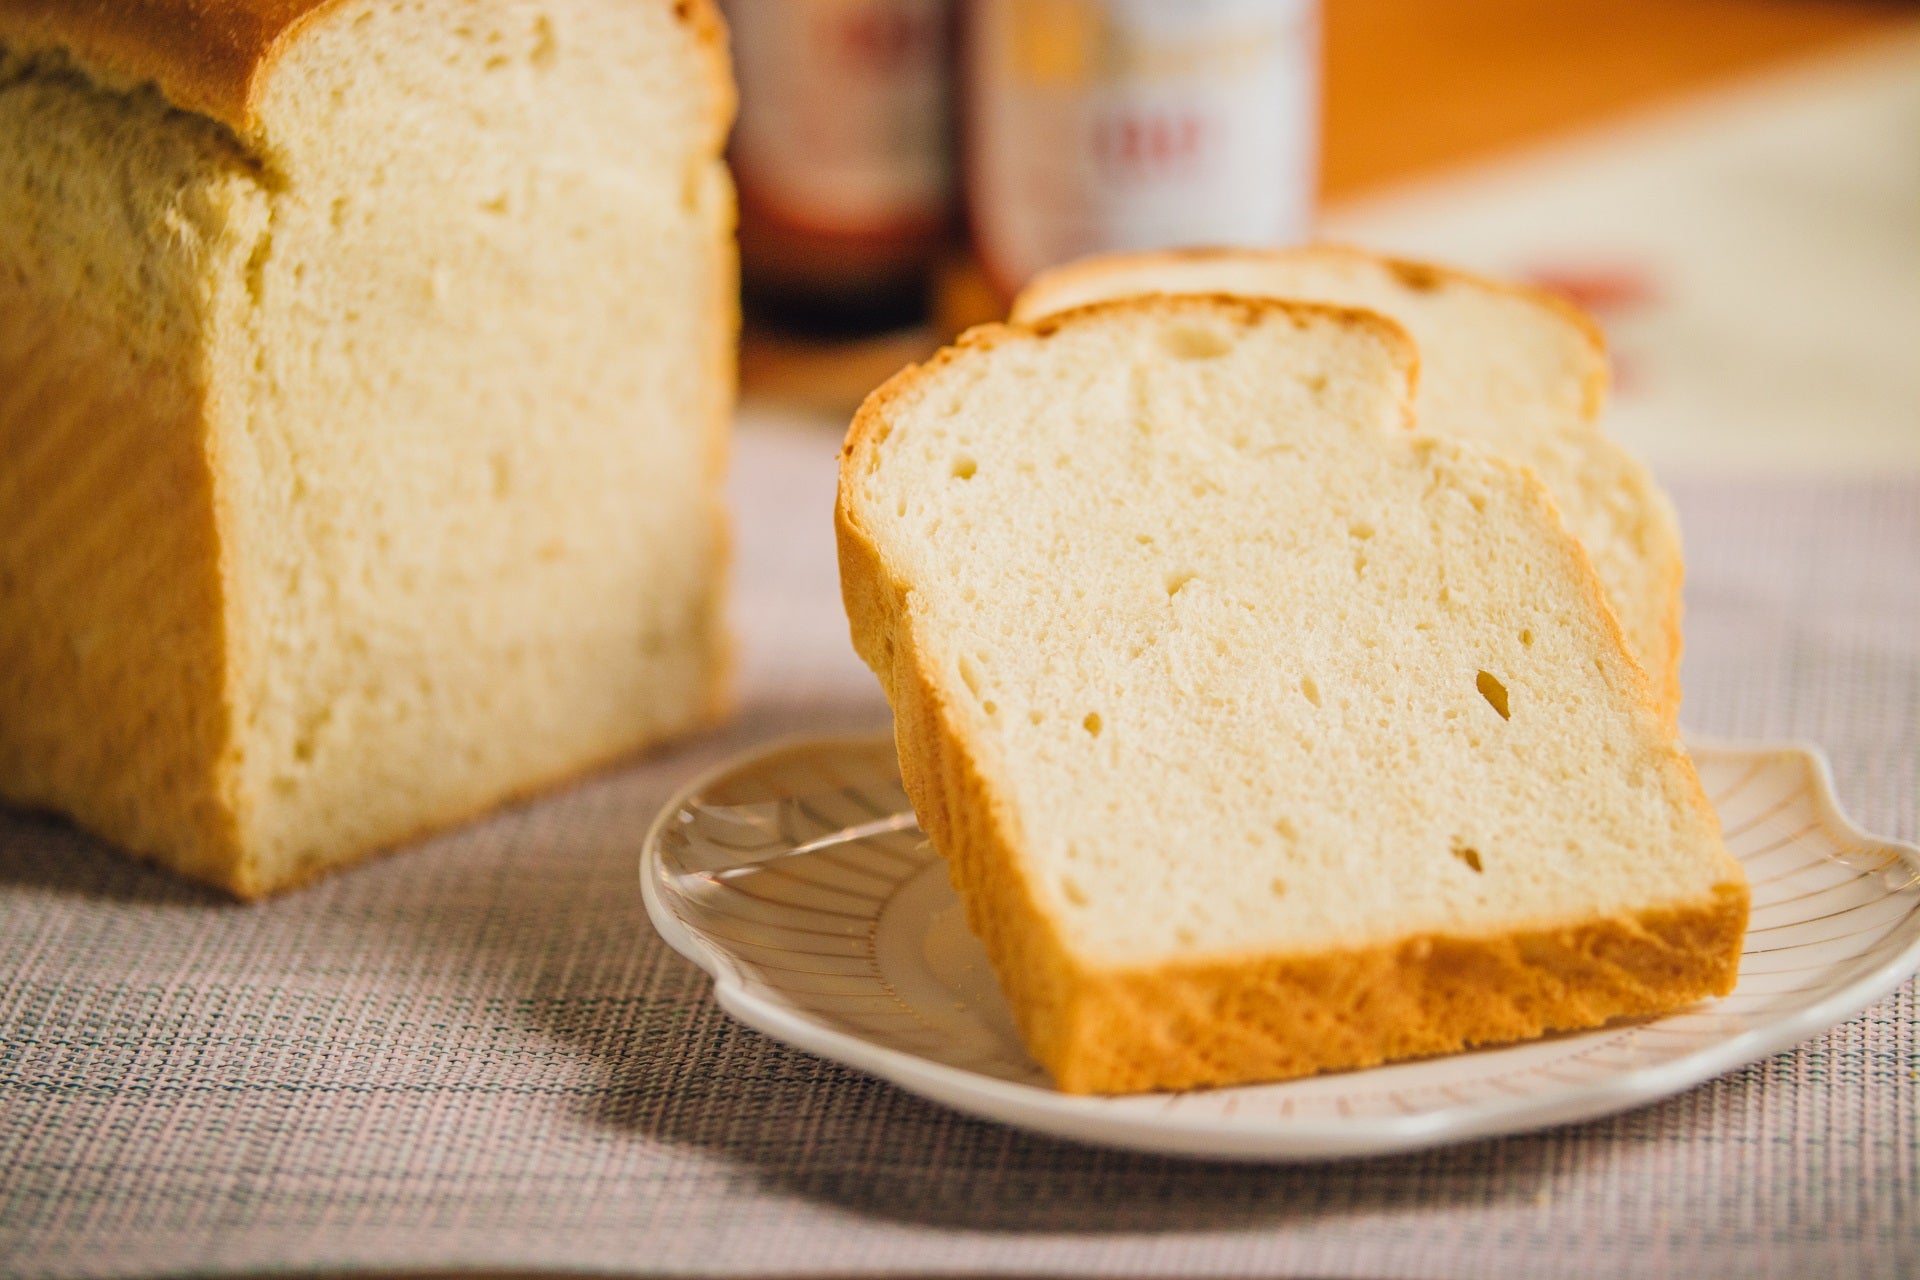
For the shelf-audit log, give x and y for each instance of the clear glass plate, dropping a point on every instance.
(797, 877)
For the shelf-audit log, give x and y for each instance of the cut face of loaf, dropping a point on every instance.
(1516, 370)
(1263, 735)
(364, 371)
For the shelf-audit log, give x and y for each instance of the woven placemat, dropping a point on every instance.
(476, 1056)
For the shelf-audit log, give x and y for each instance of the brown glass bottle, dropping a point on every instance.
(843, 158)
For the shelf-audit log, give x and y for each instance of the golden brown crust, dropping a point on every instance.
(1227, 1020)
(1222, 1021)
(206, 56)
(214, 57)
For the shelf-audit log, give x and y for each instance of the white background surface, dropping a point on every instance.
(1776, 226)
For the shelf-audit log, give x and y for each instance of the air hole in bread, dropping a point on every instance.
(991, 707)
(1092, 723)
(1144, 539)
(1284, 828)
(1186, 342)
(1178, 579)
(1072, 890)
(1277, 887)
(1526, 639)
(1310, 690)
(964, 468)
(1494, 692)
(1360, 529)
(256, 267)
(970, 675)
(545, 48)
(1468, 854)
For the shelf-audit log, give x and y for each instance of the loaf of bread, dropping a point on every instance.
(364, 376)
(1515, 369)
(1263, 735)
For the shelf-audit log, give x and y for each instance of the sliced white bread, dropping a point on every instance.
(1263, 735)
(1516, 369)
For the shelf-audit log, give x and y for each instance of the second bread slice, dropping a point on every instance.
(1263, 736)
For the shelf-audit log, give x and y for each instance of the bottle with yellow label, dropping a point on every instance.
(1100, 125)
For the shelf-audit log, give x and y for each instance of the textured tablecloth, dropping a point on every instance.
(478, 1056)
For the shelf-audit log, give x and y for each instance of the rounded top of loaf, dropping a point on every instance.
(214, 57)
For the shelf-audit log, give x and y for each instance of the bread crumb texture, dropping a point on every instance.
(1513, 369)
(1263, 736)
(359, 455)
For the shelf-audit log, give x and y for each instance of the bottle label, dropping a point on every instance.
(1104, 125)
(843, 124)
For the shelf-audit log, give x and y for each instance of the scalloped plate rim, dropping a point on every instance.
(1095, 1120)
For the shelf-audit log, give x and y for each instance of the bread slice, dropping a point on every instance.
(1515, 369)
(1263, 735)
(364, 376)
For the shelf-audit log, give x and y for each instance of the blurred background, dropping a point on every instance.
(1731, 186)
